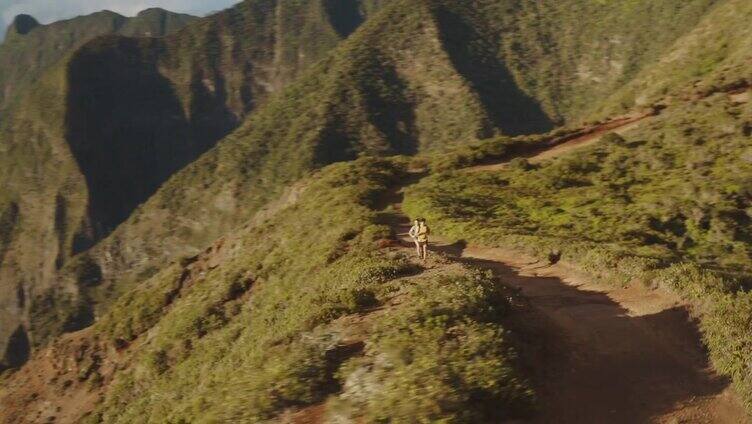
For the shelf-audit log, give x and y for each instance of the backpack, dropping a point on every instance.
(423, 233)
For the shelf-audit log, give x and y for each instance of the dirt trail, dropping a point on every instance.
(609, 355)
(598, 353)
(586, 138)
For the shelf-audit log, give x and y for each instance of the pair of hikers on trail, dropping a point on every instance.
(419, 233)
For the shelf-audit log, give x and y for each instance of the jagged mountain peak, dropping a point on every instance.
(22, 25)
(153, 10)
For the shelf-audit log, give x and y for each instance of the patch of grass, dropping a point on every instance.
(726, 329)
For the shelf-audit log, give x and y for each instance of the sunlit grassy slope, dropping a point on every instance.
(276, 83)
(667, 204)
(414, 78)
(307, 308)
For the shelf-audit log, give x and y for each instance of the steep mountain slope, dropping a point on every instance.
(713, 56)
(114, 118)
(30, 48)
(298, 258)
(36, 169)
(267, 321)
(417, 77)
(390, 89)
(573, 54)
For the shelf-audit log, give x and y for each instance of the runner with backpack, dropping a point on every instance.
(419, 233)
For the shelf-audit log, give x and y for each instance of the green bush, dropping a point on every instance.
(727, 334)
(441, 357)
(613, 138)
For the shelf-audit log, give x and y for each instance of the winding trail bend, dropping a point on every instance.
(597, 353)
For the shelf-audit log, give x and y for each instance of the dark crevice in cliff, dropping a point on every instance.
(8, 223)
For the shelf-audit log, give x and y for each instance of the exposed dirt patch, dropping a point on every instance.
(588, 139)
(61, 382)
(580, 138)
(609, 355)
(315, 414)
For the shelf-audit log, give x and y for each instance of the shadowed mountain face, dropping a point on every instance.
(18, 349)
(508, 106)
(146, 136)
(162, 110)
(33, 64)
(346, 16)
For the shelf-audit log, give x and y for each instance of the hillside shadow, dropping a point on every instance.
(17, 350)
(210, 119)
(127, 129)
(344, 15)
(508, 107)
(336, 144)
(393, 113)
(591, 361)
(387, 106)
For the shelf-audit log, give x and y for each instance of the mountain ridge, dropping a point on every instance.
(236, 111)
(209, 75)
(41, 46)
(376, 115)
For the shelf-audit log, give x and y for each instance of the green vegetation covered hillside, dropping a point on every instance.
(43, 196)
(29, 49)
(112, 119)
(195, 226)
(414, 78)
(304, 308)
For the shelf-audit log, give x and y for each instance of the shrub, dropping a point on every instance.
(520, 164)
(614, 138)
(441, 357)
